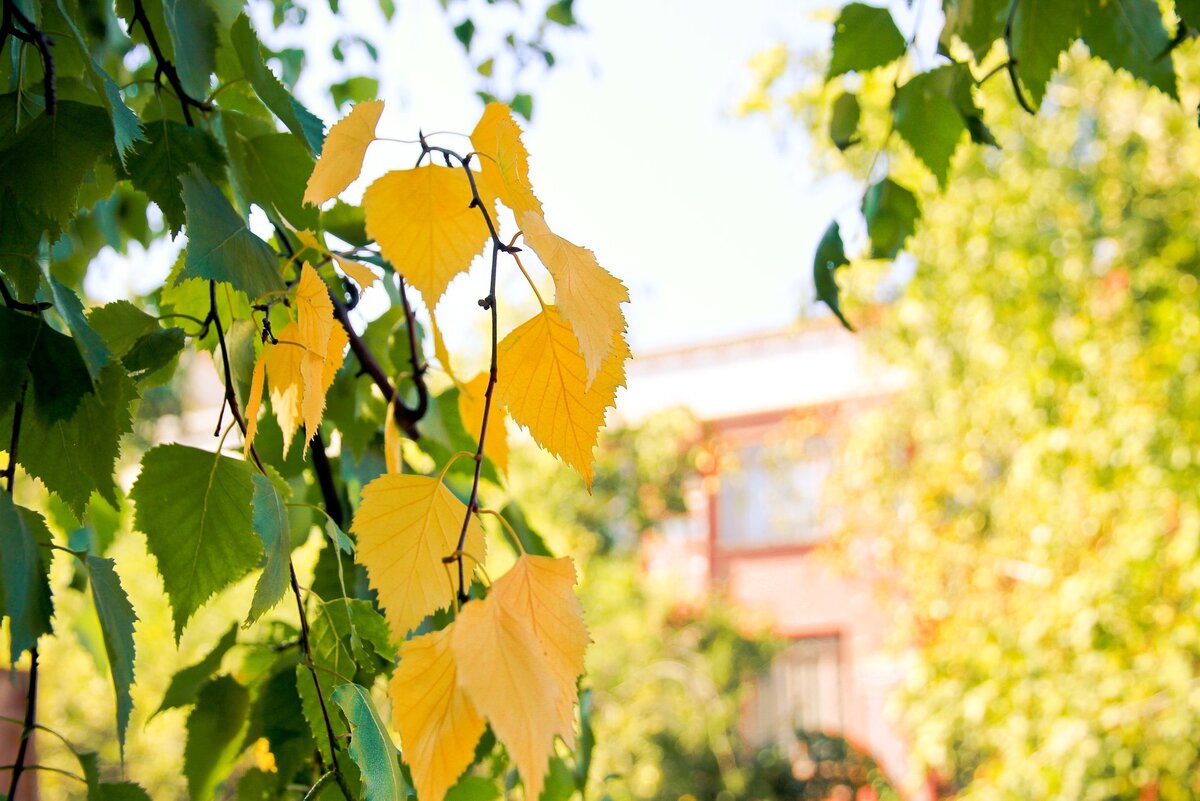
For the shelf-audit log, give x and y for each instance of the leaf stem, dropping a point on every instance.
(316, 789)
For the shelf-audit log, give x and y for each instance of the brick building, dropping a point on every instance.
(774, 408)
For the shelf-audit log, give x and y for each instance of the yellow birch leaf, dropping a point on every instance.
(298, 379)
(587, 296)
(542, 384)
(507, 676)
(284, 382)
(356, 271)
(504, 159)
(342, 154)
(438, 725)
(540, 589)
(425, 226)
(254, 402)
(405, 525)
(391, 439)
(471, 398)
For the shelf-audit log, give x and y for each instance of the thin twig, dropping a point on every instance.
(321, 466)
(27, 728)
(31, 34)
(418, 367)
(165, 67)
(232, 402)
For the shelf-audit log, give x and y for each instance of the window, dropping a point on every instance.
(772, 493)
(801, 690)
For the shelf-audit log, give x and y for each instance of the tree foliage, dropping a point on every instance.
(170, 110)
(1027, 501)
(922, 93)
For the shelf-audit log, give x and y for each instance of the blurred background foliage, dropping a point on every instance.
(1027, 503)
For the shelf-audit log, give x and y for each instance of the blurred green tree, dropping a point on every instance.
(1027, 503)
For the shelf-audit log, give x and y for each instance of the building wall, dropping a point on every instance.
(763, 402)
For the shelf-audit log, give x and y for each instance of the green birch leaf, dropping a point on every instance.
(978, 23)
(116, 622)
(928, 120)
(21, 231)
(91, 346)
(891, 212)
(118, 791)
(121, 324)
(864, 37)
(154, 351)
(76, 456)
(127, 128)
(45, 163)
(830, 256)
(277, 167)
(299, 120)
(186, 684)
(1042, 30)
(1130, 36)
(843, 121)
(171, 149)
(195, 509)
(59, 378)
(214, 735)
(1189, 10)
(270, 520)
(24, 576)
(193, 28)
(371, 746)
(221, 247)
(18, 334)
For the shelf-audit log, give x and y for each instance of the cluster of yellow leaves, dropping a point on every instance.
(558, 372)
(299, 369)
(512, 659)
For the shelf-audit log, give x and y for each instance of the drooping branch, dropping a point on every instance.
(406, 417)
(163, 66)
(30, 721)
(28, 32)
(489, 303)
(231, 401)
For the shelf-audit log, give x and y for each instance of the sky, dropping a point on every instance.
(636, 152)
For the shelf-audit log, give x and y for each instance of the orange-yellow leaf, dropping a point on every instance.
(438, 726)
(541, 590)
(587, 296)
(284, 382)
(405, 525)
(424, 225)
(503, 158)
(471, 397)
(542, 384)
(342, 154)
(314, 326)
(299, 379)
(507, 676)
(357, 272)
(391, 439)
(254, 402)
